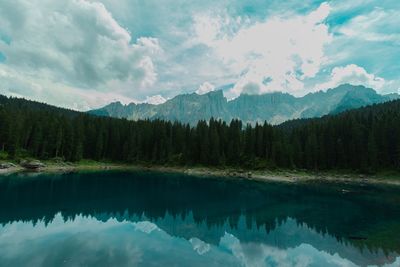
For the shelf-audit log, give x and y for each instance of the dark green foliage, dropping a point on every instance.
(366, 139)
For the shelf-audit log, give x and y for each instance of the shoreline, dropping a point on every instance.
(288, 176)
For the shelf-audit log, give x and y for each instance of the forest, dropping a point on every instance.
(365, 139)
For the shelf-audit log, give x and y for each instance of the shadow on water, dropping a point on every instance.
(360, 223)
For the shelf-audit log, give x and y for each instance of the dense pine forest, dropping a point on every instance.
(366, 139)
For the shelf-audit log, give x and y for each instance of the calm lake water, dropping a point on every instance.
(154, 219)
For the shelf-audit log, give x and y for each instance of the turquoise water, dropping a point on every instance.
(154, 219)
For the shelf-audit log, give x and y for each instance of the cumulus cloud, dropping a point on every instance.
(25, 85)
(276, 54)
(205, 88)
(82, 53)
(73, 43)
(352, 74)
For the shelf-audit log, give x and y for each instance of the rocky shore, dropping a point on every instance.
(288, 176)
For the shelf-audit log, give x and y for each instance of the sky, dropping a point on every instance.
(83, 54)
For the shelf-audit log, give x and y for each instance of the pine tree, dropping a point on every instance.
(214, 144)
(372, 152)
(364, 139)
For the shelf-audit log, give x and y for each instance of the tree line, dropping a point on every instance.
(366, 139)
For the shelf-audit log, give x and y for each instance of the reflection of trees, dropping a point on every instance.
(213, 202)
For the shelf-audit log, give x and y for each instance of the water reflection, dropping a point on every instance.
(129, 219)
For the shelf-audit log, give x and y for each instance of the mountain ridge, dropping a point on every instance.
(275, 108)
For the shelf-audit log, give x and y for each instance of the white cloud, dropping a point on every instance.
(205, 88)
(376, 26)
(352, 74)
(277, 54)
(75, 44)
(84, 48)
(14, 83)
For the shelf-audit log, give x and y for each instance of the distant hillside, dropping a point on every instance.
(274, 108)
(21, 104)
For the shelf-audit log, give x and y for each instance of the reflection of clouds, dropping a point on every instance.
(145, 227)
(255, 254)
(81, 241)
(284, 235)
(86, 241)
(304, 255)
(199, 246)
(90, 242)
(394, 264)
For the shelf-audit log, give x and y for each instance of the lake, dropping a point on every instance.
(121, 218)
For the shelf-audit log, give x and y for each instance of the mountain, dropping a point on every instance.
(188, 108)
(274, 108)
(365, 139)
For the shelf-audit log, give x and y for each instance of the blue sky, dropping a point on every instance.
(85, 53)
